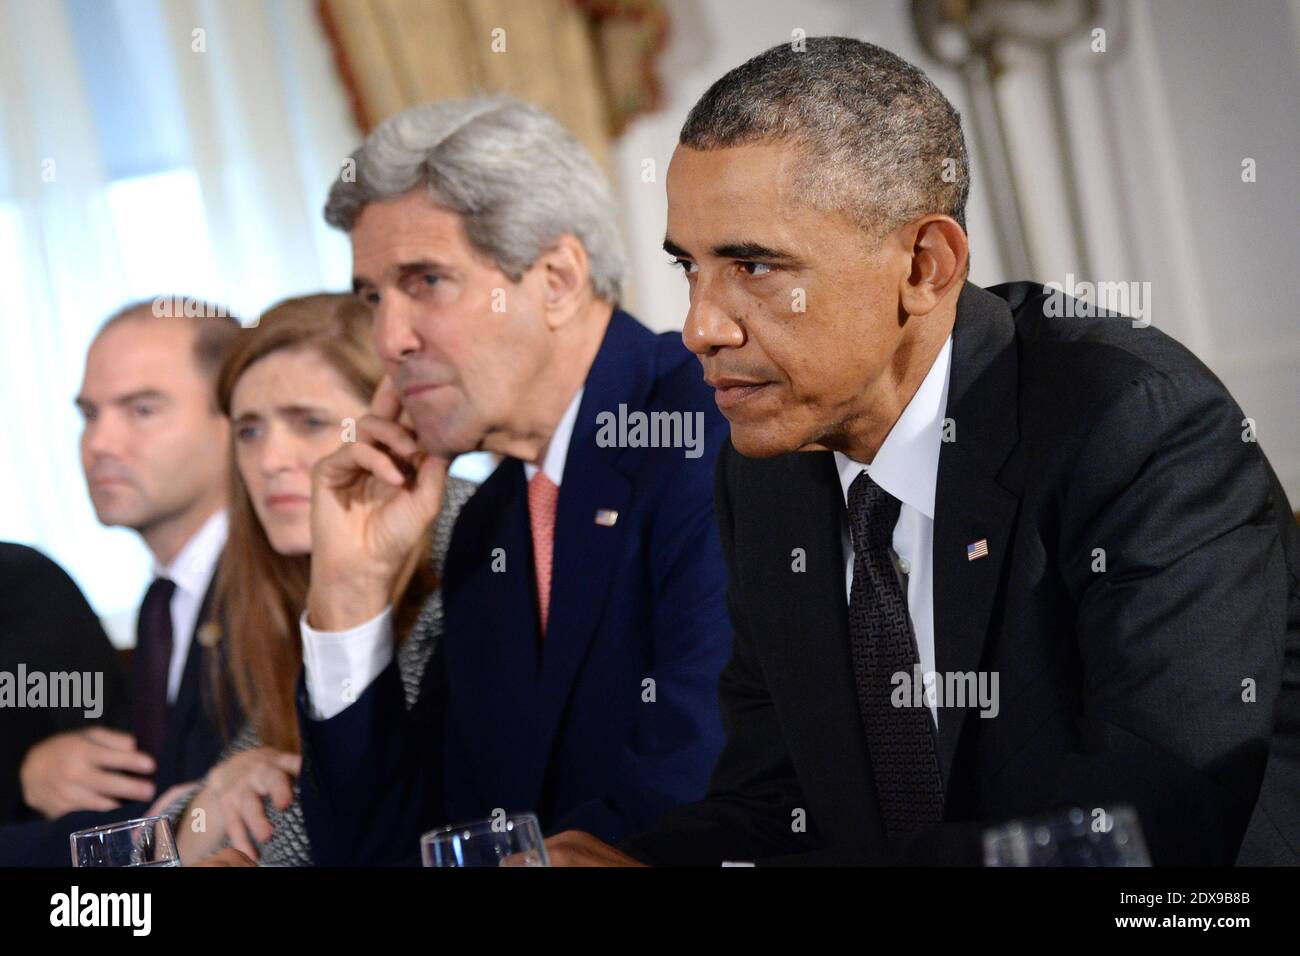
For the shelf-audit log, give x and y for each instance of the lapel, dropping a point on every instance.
(970, 504)
(803, 507)
(585, 557)
(490, 634)
(189, 707)
(508, 686)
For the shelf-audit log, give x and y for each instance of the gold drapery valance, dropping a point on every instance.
(590, 63)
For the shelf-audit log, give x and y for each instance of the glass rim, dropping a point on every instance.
(452, 828)
(120, 825)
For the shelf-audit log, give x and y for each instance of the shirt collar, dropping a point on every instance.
(192, 569)
(558, 448)
(907, 464)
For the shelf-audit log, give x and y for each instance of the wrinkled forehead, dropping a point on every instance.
(389, 234)
(739, 194)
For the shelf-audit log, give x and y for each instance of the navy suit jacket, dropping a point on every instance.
(612, 718)
(192, 745)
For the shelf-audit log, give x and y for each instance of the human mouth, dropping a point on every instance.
(414, 390)
(729, 392)
(286, 502)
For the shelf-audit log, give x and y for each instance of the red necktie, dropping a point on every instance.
(543, 494)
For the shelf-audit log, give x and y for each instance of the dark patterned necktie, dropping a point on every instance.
(904, 759)
(153, 656)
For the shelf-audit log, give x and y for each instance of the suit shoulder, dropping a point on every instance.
(25, 570)
(1083, 358)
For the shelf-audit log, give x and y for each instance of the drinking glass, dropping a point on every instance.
(144, 842)
(1100, 837)
(499, 841)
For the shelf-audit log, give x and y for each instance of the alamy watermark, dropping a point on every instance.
(651, 430)
(947, 689)
(83, 690)
(1087, 300)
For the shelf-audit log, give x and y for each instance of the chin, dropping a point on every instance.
(291, 546)
(754, 441)
(443, 441)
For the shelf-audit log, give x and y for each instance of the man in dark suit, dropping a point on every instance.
(46, 628)
(585, 624)
(155, 450)
(990, 554)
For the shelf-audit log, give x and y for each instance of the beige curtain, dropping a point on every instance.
(590, 63)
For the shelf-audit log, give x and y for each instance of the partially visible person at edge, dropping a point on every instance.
(292, 387)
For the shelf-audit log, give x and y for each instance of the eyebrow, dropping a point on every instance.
(284, 410)
(744, 251)
(402, 269)
(82, 402)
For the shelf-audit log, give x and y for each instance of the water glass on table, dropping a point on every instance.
(146, 841)
(500, 841)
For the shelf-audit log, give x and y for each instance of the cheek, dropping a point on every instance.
(246, 462)
(322, 443)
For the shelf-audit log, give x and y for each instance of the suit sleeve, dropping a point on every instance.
(1180, 631)
(747, 812)
(370, 782)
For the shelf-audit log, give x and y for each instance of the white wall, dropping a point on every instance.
(708, 38)
(1159, 129)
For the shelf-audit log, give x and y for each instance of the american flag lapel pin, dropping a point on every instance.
(977, 549)
(606, 517)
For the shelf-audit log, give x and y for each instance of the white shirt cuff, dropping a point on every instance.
(340, 665)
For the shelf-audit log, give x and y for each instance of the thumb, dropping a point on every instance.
(429, 483)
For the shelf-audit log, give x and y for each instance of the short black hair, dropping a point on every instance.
(887, 145)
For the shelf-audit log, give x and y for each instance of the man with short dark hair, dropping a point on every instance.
(155, 450)
(986, 561)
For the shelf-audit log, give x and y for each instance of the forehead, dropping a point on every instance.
(740, 192)
(154, 353)
(407, 228)
(293, 376)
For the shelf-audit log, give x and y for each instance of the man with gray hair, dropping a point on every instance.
(583, 592)
(975, 491)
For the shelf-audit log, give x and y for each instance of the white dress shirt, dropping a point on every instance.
(191, 571)
(907, 467)
(339, 665)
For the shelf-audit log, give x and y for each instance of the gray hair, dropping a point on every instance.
(517, 177)
(877, 129)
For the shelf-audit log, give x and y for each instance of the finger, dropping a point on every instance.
(386, 402)
(226, 857)
(343, 467)
(113, 739)
(118, 785)
(81, 798)
(430, 481)
(279, 787)
(253, 815)
(289, 763)
(112, 758)
(372, 429)
(239, 838)
(166, 800)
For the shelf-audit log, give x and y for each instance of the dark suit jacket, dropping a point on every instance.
(46, 626)
(194, 740)
(1116, 686)
(566, 727)
(192, 746)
